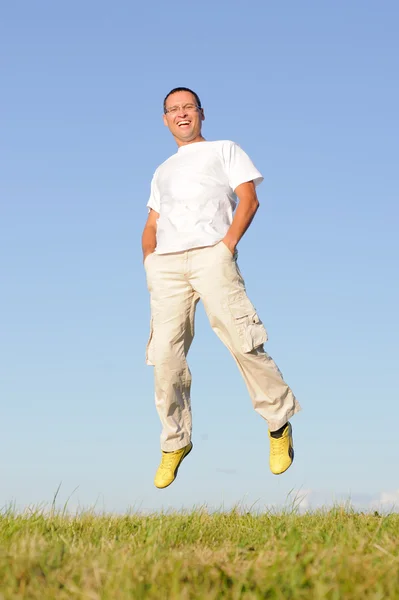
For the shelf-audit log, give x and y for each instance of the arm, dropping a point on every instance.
(245, 212)
(149, 237)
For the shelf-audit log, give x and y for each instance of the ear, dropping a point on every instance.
(165, 122)
(202, 114)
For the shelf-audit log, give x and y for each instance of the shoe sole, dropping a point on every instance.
(176, 471)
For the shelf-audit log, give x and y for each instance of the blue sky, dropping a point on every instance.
(310, 91)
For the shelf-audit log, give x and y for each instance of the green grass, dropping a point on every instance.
(332, 554)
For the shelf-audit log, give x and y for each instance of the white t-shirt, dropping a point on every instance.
(193, 192)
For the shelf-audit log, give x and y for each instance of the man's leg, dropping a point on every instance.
(215, 276)
(173, 304)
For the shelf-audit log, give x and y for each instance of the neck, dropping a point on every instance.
(199, 138)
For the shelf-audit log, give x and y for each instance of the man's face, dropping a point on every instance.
(183, 118)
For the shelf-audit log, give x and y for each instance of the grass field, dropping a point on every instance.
(332, 554)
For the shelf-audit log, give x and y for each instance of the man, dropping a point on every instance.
(189, 248)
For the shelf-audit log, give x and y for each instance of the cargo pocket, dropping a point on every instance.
(149, 352)
(250, 328)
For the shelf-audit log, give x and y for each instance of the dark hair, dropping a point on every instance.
(181, 89)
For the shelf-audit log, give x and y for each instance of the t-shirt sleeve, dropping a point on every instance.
(240, 167)
(154, 201)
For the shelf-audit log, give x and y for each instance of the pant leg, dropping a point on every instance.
(173, 304)
(214, 274)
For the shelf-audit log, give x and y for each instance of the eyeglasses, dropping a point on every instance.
(173, 110)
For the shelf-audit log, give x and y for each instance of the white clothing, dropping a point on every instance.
(193, 192)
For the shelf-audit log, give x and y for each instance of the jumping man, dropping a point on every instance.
(203, 199)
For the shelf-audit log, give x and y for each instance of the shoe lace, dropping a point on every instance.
(167, 461)
(277, 446)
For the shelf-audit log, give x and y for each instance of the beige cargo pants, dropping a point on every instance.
(176, 283)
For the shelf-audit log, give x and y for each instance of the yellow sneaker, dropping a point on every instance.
(281, 451)
(169, 466)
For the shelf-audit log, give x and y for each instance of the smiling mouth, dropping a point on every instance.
(183, 123)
